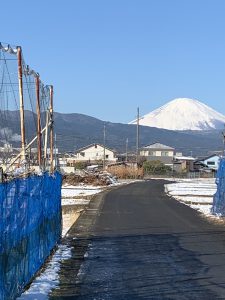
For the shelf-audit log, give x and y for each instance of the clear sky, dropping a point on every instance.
(106, 57)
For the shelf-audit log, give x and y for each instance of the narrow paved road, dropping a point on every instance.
(137, 243)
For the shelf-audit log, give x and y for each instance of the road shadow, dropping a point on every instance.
(132, 267)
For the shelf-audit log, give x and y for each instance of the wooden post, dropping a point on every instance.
(51, 131)
(20, 78)
(37, 79)
(46, 140)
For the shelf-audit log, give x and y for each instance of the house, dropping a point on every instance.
(159, 152)
(95, 152)
(208, 163)
(183, 163)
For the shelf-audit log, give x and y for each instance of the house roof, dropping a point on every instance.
(184, 158)
(207, 157)
(158, 146)
(91, 145)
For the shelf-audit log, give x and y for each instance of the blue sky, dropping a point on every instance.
(106, 57)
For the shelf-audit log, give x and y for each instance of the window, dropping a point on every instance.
(107, 156)
(82, 154)
(96, 146)
(211, 163)
(152, 153)
(164, 153)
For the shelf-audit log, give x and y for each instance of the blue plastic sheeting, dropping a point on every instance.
(30, 226)
(218, 206)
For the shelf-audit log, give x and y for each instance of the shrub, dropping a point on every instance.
(155, 167)
(80, 165)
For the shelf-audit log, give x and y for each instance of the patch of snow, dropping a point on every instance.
(191, 191)
(195, 200)
(191, 188)
(78, 191)
(198, 194)
(204, 209)
(183, 114)
(68, 191)
(81, 186)
(49, 279)
(69, 201)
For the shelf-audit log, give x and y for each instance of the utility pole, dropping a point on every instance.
(22, 125)
(126, 149)
(37, 80)
(137, 139)
(51, 130)
(104, 134)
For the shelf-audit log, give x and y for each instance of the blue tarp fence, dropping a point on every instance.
(30, 226)
(218, 206)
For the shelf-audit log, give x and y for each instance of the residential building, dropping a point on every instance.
(183, 163)
(210, 162)
(95, 152)
(158, 151)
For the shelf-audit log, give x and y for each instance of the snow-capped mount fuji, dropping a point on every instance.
(183, 114)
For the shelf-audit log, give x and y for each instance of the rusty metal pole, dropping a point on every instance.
(22, 125)
(37, 80)
(51, 130)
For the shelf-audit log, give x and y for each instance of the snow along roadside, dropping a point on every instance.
(197, 194)
(49, 278)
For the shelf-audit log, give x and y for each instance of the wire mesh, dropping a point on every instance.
(10, 127)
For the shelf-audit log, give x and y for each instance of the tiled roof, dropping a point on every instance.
(158, 146)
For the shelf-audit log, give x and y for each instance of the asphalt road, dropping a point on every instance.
(137, 243)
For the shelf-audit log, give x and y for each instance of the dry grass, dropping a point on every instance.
(125, 172)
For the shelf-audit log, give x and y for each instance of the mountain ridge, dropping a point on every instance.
(74, 131)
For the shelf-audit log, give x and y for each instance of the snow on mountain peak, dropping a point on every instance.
(183, 114)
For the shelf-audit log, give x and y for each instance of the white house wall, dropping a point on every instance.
(157, 153)
(94, 153)
(215, 160)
